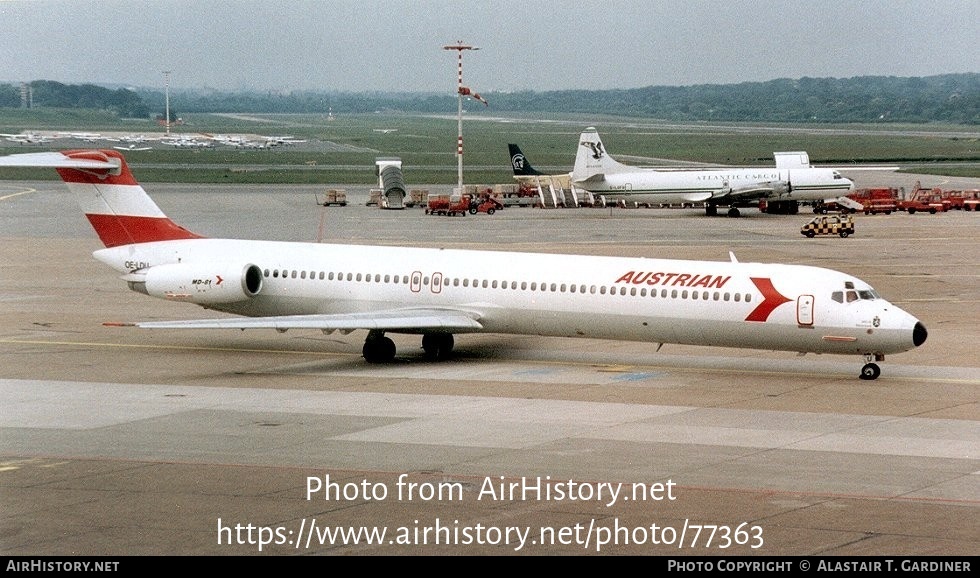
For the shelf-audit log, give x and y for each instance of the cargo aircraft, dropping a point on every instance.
(790, 181)
(437, 293)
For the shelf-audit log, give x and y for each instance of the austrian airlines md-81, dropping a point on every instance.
(437, 293)
(595, 171)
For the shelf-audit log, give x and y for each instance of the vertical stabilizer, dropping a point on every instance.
(116, 205)
(591, 160)
(522, 168)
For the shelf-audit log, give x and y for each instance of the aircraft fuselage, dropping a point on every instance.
(653, 186)
(731, 304)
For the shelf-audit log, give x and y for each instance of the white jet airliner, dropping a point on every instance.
(595, 171)
(437, 293)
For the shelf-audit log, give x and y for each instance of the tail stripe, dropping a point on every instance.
(113, 199)
(116, 230)
(116, 205)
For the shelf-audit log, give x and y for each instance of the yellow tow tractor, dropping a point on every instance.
(829, 225)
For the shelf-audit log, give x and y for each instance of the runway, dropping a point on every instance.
(120, 441)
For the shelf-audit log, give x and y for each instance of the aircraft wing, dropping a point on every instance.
(752, 192)
(406, 320)
(865, 168)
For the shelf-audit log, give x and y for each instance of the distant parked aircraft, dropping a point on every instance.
(598, 173)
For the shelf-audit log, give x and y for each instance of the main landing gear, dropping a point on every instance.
(437, 346)
(711, 210)
(378, 348)
(871, 370)
(381, 349)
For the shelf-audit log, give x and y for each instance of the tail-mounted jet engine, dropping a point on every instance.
(200, 284)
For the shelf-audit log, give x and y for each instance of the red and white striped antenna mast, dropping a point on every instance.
(461, 91)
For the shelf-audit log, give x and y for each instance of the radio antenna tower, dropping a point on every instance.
(166, 84)
(461, 91)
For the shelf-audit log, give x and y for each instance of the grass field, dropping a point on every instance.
(344, 149)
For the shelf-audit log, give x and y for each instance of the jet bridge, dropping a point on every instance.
(391, 182)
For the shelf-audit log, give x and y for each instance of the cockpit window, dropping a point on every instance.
(837, 175)
(854, 295)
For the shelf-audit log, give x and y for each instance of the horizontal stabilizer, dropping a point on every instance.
(591, 179)
(56, 160)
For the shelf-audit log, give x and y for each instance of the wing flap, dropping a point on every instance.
(394, 320)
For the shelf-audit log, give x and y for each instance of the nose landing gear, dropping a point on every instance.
(871, 370)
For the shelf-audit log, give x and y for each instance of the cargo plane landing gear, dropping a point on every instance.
(380, 349)
(871, 370)
(711, 210)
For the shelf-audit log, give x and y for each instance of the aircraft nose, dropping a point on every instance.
(919, 334)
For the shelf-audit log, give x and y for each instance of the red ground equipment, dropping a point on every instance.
(448, 205)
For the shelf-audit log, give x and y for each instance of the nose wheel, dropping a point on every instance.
(871, 370)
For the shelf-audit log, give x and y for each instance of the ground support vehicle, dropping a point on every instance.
(825, 207)
(875, 206)
(448, 205)
(488, 205)
(829, 225)
(912, 206)
(333, 197)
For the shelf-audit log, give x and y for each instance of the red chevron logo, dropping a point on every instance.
(771, 299)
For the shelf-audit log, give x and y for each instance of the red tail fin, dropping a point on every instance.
(116, 205)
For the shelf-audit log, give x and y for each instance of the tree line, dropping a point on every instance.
(49, 94)
(950, 98)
